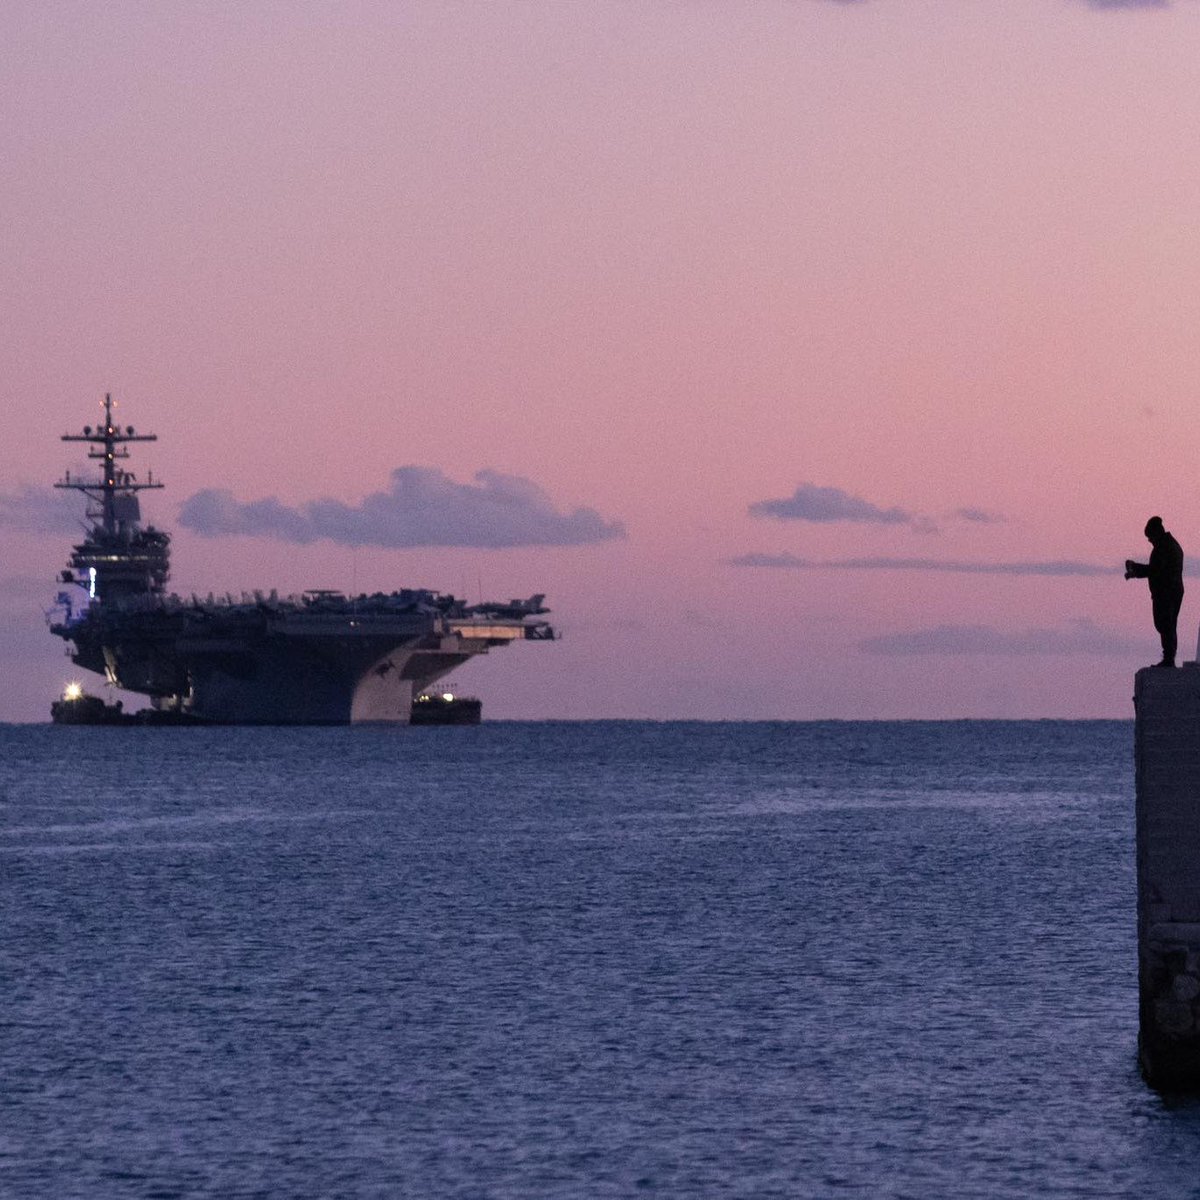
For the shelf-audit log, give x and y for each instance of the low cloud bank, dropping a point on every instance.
(16, 590)
(33, 509)
(1079, 637)
(422, 507)
(1053, 567)
(1103, 4)
(1099, 5)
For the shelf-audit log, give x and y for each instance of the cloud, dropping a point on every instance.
(1053, 567)
(779, 562)
(809, 502)
(29, 588)
(1046, 567)
(1101, 5)
(1112, 4)
(1079, 637)
(33, 509)
(812, 503)
(421, 508)
(979, 515)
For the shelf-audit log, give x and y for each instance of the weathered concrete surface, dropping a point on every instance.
(1167, 748)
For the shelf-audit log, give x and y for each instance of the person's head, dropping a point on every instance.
(1154, 529)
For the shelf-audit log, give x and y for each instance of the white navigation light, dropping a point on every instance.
(447, 696)
(91, 583)
(73, 691)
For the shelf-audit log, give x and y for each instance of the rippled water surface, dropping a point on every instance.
(575, 960)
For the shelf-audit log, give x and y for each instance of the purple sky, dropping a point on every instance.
(816, 359)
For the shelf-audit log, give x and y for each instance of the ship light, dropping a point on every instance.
(73, 691)
(447, 696)
(91, 583)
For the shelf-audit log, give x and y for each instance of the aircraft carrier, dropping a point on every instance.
(319, 658)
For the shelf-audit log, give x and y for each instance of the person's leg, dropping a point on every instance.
(1166, 616)
(1176, 605)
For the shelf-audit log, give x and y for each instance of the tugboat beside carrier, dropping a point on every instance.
(446, 708)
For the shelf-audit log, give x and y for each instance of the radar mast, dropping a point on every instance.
(114, 485)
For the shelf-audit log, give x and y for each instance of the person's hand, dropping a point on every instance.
(1129, 568)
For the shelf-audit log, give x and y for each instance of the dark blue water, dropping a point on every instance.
(575, 960)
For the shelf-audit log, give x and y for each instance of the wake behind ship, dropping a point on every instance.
(320, 658)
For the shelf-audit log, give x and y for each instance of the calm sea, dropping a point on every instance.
(575, 960)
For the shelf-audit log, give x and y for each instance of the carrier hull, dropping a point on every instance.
(311, 666)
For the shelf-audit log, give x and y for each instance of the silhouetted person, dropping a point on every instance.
(1165, 573)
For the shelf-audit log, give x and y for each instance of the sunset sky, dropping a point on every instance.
(816, 358)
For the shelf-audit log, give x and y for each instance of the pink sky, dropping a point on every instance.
(665, 259)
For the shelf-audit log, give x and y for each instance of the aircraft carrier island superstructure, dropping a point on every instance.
(321, 658)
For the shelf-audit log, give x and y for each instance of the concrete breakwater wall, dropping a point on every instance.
(1167, 749)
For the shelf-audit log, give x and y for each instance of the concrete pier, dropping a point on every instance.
(1167, 749)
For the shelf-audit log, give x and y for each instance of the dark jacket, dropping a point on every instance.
(1165, 568)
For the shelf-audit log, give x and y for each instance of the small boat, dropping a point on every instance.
(445, 708)
(76, 707)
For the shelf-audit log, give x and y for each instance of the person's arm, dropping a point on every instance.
(1136, 570)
